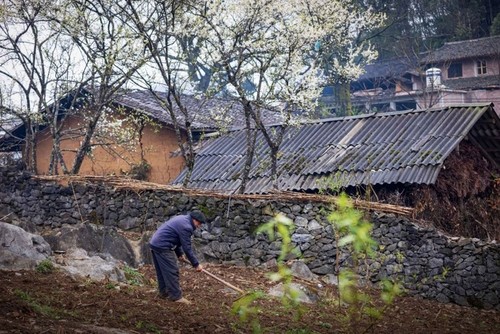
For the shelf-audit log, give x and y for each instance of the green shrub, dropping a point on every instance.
(45, 267)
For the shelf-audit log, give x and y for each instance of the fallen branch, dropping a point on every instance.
(121, 182)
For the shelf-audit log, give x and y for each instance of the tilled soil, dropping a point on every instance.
(32, 302)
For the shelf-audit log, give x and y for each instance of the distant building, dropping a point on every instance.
(458, 72)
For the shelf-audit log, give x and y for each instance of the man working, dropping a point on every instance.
(169, 243)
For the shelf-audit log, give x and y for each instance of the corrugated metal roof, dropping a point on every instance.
(384, 148)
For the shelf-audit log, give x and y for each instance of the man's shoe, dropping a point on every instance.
(183, 300)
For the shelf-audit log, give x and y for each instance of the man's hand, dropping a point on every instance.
(182, 258)
(199, 268)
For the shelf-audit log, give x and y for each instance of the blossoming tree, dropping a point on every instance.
(286, 49)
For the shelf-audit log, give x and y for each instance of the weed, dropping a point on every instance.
(45, 267)
(133, 276)
(325, 324)
(110, 286)
(400, 257)
(147, 326)
(37, 306)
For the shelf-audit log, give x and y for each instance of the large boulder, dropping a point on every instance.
(77, 263)
(94, 239)
(21, 250)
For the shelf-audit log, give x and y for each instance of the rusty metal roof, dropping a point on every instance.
(406, 147)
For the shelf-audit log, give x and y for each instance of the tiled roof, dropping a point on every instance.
(386, 148)
(473, 48)
(487, 81)
(389, 68)
(206, 113)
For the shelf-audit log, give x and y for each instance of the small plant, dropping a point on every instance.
(110, 286)
(45, 267)
(282, 226)
(133, 276)
(147, 326)
(140, 171)
(354, 232)
(247, 313)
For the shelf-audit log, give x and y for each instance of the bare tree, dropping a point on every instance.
(111, 52)
(35, 66)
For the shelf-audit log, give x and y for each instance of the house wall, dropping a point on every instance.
(440, 98)
(469, 67)
(157, 144)
(483, 95)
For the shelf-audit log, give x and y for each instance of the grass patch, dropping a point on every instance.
(45, 267)
(147, 326)
(39, 307)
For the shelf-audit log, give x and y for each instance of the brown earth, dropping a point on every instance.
(32, 302)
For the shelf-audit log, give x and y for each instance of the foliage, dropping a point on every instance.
(140, 171)
(133, 276)
(423, 25)
(45, 267)
(39, 307)
(495, 26)
(282, 227)
(355, 233)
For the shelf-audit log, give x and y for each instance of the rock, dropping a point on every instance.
(78, 263)
(304, 295)
(331, 279)
(301, 238)
(21, 250)
(323, 270)
(92, 238)
(301, 270)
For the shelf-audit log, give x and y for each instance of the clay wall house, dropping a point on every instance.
(430, 159)
(157, 143)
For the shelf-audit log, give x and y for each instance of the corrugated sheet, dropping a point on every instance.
(398, 147)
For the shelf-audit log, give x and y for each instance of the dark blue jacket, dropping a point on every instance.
(175, 234)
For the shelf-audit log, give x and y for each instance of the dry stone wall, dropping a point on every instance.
(450, 269)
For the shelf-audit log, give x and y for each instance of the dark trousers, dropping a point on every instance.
(167, 273)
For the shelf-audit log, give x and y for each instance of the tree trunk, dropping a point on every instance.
(342, 96)
(85, 145)
(251, 137)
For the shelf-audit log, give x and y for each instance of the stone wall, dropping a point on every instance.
(450, 269)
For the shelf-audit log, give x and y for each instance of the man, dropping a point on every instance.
(169, 243)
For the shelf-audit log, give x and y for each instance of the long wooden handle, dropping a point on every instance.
(222, 281)
(218, 278)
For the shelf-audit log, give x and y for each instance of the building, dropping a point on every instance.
(378, 149)
(458, 72)
(153, 140)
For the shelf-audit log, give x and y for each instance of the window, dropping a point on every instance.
(455, 70)
(481, 67)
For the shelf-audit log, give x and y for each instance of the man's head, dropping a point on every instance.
(199, 217)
